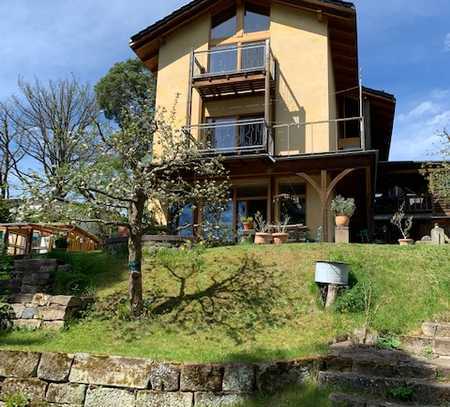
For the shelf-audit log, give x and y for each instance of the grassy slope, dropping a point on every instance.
(413, 285)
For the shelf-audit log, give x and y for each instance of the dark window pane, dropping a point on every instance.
(253, 55)
(223, 59)
(256, 18)
(292, 201)
(224, 24)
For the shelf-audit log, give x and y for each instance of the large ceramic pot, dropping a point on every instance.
(342, 220)
(406, 242)
(263, 238)
(280, 238)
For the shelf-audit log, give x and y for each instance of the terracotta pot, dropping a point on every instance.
(342, 220)
(406, 242)
(263, 238)
(122, 231)
(247, 225)
(280, 238)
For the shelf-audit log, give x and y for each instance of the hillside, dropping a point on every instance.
(267, 310)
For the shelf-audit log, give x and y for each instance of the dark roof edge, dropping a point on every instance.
(380, 93)
(198, 3)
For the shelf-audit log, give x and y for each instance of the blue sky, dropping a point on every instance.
(404, 49)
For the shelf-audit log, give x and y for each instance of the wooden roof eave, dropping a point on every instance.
(146, 43)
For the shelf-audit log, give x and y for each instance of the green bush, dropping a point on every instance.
(16, 400)
(73, 283)
(353, 300)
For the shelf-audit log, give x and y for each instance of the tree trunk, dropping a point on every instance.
(135, 216)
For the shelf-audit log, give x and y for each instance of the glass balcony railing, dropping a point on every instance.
(232, 59)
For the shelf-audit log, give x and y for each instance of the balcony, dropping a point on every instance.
(413, 204)
(246, 69)
(229, 137)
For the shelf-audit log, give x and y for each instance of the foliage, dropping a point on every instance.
(5, 211)
(260, 224)
(343, 206)
(247, 219)
(352, 300)
(16, 400)
(124, 84)
(404, 223)
(401, 393)
(281, 227)
(388, 342)
(438, 175)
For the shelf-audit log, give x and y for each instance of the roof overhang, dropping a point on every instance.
(341, 16)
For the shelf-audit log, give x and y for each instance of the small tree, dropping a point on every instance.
(404, 223)
(146, 160)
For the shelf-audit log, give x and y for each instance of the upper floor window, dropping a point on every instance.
(224, 24)
(256, 18)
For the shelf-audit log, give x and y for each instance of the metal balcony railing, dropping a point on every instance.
(325, 136)
(233, 59)
(412, 204)
(227, 137)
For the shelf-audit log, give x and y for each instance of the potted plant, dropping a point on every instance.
(247, 222)
(262, 235)
(281, 236)
(343, 208)
(404, 224)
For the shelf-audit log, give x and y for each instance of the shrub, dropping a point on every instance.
(353, 300)
(343, 206)
(73, 283)
(401, 393)
(16, 400)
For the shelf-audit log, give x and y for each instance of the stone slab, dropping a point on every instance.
(67, 393)
(53, 325)
(111, 371)
(65, 300)
(239, 378)
(107, 397)
(53, 313)
(31, 388)
(165, 377)
(18, 364)
(30, 324)
(54, 367)
(18, 309)
(29, 313)
(201, 378)
(219, 400)
(156, 399)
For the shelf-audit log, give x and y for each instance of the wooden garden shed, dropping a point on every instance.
(38, 238)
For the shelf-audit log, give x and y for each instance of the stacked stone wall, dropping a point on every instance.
(59, 379)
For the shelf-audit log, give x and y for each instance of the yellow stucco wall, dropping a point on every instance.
(299, 42)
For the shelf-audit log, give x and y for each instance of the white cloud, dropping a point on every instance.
(416, 131)
(447, 43)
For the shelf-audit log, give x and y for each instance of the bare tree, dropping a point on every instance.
(57, 125)
(10, 151)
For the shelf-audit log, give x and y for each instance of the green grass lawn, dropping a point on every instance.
(273, 314)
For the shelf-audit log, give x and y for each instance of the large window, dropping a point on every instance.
(223, 134)
(256, 18)
(224, 24)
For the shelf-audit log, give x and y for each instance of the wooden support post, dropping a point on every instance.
(189, 95)
(235, 213)
(369, 203)
(323, 200)
(332, 293)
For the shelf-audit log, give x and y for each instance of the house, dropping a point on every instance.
(274, 87)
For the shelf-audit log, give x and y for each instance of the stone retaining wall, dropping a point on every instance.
(34, 311)
(102, 381)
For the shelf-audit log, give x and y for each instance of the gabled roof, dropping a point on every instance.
(341, 22)
(201, 4)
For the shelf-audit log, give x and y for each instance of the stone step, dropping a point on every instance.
(436, 329)
(351, 400)
(420, 345)
(418, 391)
(373, 361)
